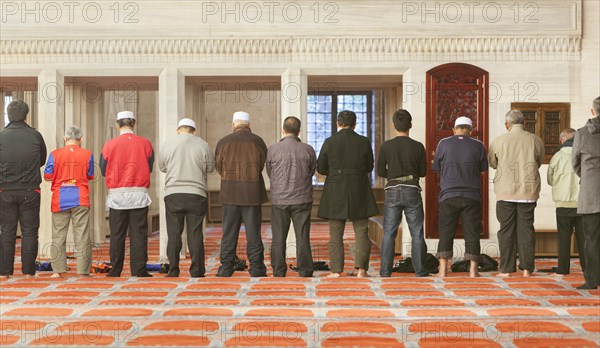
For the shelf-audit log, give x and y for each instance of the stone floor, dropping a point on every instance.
(542, 311)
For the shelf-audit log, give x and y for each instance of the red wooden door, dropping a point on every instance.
(454, 90)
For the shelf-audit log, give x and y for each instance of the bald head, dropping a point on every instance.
(566, 134)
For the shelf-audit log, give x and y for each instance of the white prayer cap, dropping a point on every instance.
(241, 116)
(125, 114)
(463, 121)
(187, 122)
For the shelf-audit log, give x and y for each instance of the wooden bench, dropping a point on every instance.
(376, 233)
(153, 221)
(546, 243)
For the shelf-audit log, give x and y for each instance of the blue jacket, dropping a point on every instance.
(460, 161)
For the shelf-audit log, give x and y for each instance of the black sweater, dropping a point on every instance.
(400, 157)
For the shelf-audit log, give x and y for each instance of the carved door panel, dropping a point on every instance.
(546, 120)
(454, 90)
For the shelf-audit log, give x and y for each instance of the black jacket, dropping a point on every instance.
(22, 153)
(347, 159)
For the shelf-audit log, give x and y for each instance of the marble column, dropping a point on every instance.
(294, 90)
(51, 114)
(413, 99)
(94, 120)
(171, 108)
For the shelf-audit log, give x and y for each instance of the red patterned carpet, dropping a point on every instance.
(542, 311)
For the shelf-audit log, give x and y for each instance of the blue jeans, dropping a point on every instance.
(407, 199)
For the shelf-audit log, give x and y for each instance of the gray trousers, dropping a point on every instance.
(79, 218)
(336, 244)
(591, 231)
(179, 209)
(516, 231)
(233, 216)
(281, 216)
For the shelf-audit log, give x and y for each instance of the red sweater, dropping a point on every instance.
(126, 161)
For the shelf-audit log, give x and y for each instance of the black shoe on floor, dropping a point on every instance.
(586, 287)
(225, 272)
(113, 275)
(144, 275)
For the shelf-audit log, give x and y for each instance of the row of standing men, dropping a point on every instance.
(346, 159)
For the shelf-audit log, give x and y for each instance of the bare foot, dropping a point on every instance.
(362, 273)
(55, 275)
(559, 275)
(503, 275)
(526, 273)
(443, 272)
(473, 269)
(4, 277)
(334, 275)
(31, 276)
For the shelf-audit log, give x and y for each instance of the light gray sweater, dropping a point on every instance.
(187, 160)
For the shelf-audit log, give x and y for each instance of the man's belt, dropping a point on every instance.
(402, 178)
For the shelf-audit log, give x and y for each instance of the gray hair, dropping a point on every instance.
(515, 117)
(596, 106)
(73, 133)
(568, 133)
(240, 122)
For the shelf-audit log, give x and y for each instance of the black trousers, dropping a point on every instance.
(516, 229)
(469, 212)
(190, 208)
(19, 207)
(136, 220)
(591, 230)
(233, 216)
(281, 215)
(567, 220)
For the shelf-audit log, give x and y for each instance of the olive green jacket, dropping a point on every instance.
(562, 178)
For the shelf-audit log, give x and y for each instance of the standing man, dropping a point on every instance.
(346, 158)
(22, 153)
(126, 162)
(517, 157)
(240, 158)
(187, 160)
(290, 166)
(460, 160)
(69, 169)
(586, 162)
(565, 190)
(402, 161)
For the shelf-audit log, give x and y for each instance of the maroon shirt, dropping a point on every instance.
(240, 159)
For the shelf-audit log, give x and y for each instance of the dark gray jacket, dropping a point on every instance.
(290, 166)
(22, 153)
(586, 162)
